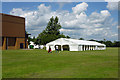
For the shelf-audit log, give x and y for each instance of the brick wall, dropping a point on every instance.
(17, 44)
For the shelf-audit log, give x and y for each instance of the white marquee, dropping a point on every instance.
(75, 45)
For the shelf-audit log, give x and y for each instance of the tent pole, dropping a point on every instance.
(61, 48)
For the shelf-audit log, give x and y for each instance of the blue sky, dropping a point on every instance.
(84, 10)
(93, 6)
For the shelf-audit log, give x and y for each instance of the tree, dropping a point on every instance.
(81, 39)
(101, 42)
(92, 40)
(104, 40)
(67, 36)
(33, 39)
(53, 26)
(29, 39)
(108, 43)
(51, 32)
(116, 44)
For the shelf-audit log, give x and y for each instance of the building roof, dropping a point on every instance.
(66, 41)
(11, 15)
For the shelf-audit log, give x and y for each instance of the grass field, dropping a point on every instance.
(40, 64)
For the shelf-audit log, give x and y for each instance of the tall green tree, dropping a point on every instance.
(53, 27)
(51, 32)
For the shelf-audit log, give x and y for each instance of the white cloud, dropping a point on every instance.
(112, 5)
(112, 0)
(75, 24)
(65, 30)
(80, 8)
(17, 11)
(105, 13)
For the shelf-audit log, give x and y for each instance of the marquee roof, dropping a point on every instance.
(66, 41)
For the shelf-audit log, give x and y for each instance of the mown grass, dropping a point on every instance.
(40, 64)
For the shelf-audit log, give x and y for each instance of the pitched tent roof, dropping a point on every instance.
(66, 41)
(60, 41)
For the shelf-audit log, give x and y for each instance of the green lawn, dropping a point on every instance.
(79, 64)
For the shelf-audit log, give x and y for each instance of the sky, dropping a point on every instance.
(88, 20)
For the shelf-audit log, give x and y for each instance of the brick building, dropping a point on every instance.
(13, 34)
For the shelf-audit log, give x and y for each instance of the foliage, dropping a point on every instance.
(81, 39)
(116, 44)
(29, 39)
(108, 43)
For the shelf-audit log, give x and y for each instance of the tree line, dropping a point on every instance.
(108, 43)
